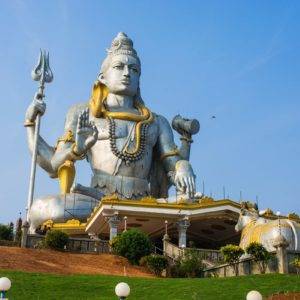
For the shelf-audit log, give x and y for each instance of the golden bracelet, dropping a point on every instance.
(28, 123)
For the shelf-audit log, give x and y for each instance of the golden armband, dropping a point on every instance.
(170, 153)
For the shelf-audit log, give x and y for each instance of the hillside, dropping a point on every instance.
(48, 261)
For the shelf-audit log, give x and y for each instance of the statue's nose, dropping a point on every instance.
(126, 72)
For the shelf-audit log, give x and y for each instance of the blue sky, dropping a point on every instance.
(236, 60)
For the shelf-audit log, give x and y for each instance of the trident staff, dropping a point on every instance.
(43, 74)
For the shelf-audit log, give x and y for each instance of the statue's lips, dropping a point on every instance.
(125, 82)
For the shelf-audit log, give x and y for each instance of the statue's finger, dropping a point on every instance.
(193, 182)
(91, 124)
(84, 124)
(192, 187)
(183, 186)
(87, 112)
(177, 182)
(80, 121)
(95, 131)
(187, 186)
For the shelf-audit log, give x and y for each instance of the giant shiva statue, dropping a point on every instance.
(130, 149)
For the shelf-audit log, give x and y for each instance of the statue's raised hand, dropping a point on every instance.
(37, 106)
(185, 178)
(86, 133)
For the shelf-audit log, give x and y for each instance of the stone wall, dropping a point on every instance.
(75, 244)
(248, 267)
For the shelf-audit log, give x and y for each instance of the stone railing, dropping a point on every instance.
(88, 246)
(172, 251)
(209, 256)
(246, 266)
(78, 245)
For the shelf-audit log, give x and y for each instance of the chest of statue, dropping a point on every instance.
(123, 130)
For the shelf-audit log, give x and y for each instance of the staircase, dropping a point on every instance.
(210, 258)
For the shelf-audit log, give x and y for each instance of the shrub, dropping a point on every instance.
(132, 244)
(296, 264)
(155, 263)
(188, 265)
(260, 255)
(6, 232)
(232, 254)
(56, 239)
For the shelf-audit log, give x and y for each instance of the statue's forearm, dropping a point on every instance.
(50, 158)
(44, 151)
(61, 155)
(170, 163)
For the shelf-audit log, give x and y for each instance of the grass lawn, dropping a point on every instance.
(46, 286)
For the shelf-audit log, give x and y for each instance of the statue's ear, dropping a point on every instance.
(99, 94)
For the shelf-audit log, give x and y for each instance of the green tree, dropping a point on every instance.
(296, 264)
(18, 234)
(56, 239)
(155, 263)
(232, 255)
(6, 232)
(132, 244)
(260, 255)
(188, 265)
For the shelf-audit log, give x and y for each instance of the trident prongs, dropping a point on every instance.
(42, 71)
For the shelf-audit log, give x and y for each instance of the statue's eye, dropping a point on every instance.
(134, 69)
(118, 67)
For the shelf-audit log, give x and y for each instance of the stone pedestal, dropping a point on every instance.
(25, 228)
(281, 244)
(182, 226)
(113, 223)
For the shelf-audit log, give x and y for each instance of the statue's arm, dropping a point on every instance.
(183, 176)
(63, 149)
(82, 136)
(167, 149)
(44, 151)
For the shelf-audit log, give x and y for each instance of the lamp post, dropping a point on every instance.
(166, 227)
(5, 285)
(125, 223)
(122, 290)
(254, 295)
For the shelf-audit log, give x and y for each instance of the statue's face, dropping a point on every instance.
(122, 76)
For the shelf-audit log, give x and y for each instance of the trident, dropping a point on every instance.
(43, 74)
